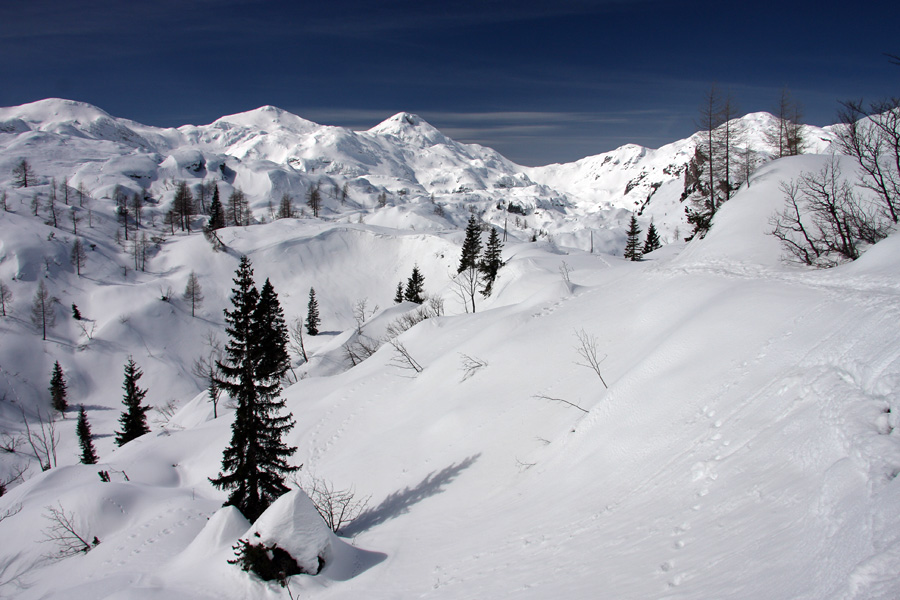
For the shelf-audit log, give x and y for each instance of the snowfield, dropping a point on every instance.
(746, 447)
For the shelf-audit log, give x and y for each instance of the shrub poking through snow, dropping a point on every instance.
(269, 563)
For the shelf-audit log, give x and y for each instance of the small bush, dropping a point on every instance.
(269, 563)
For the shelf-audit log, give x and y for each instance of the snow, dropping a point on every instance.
(293, 524)
(747, 445)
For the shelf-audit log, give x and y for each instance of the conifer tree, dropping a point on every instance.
(216, 211)
(471, 248)
(651, 242)
(254, 465)
(492, 262)
(312, 314)
(415, 287)
(58, 390)
(633, 246)
(134, 419)
(85, 438)
(398, 296)
(273, 358)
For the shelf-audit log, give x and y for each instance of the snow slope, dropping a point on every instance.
(746, 446)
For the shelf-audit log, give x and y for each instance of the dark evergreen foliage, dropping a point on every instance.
(254, 464)
(398, 296)
(216, 211)
(312, 314)
(57, 388)
(471, 246)
(651, 242)
(267, 562)
(85, 438)
(134, 420)
(415, 287)
(76, 314)
(273, 359)
(491, 263)
(633, 245)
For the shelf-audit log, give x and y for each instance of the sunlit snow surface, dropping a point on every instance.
(745, 448)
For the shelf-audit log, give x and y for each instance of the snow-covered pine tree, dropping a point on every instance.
(134, 419)
(85, 438)
(58, 390)
(415, 287)
(633, 245)
(312, 314)
(651, 242)
(492, 262)
(471, 249)
(398, 296)
(254, 464)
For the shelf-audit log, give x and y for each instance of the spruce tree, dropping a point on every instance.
(274, 360)
(85, 438)
(216, 211)
(312, 314)
(492, 262)
(651, 242)
(415, 287)
(58, 389)
(398, 296)
(471, 248)
(134, 419)
(254, 465)
(633, 245)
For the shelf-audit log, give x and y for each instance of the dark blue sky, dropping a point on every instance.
(539, 81)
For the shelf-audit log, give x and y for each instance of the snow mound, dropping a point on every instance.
(293, 524)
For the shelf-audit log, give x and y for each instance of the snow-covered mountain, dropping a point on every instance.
(268, 152)
(746, 447)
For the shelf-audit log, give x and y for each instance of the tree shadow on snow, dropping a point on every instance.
(399, 503)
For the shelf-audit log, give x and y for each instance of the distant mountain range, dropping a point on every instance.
(269, 152)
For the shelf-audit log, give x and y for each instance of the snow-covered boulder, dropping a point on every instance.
(293, 524)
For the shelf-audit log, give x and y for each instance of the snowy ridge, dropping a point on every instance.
(747, 445)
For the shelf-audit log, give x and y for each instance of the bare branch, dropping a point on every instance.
(295, 333)
(338, 508)
(10, 443)
(572, 404)
(165, 413)
(587, 349)
(11, 512)
(565, 271)
(63, 533)
(43, 441)
(403, 359)
(470, 365)
(361, 314)
(17, 475)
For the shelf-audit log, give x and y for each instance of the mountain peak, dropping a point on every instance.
(410, 127)
(268, 118)
(54, 110)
